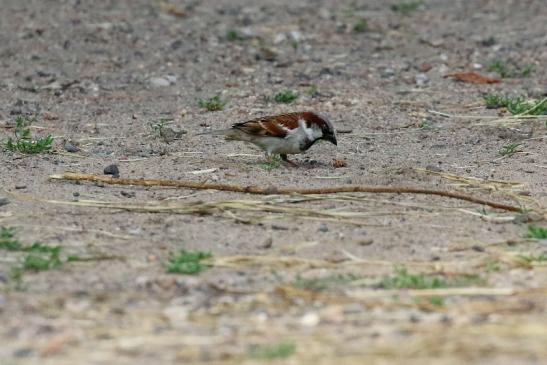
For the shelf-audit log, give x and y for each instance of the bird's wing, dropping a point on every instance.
(271, 126)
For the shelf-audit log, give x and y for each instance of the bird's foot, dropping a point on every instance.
(287, 161)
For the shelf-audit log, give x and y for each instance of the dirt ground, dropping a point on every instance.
(293, 280)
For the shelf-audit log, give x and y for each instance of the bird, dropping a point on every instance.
(283, 134)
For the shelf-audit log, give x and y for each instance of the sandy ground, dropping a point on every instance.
(96, 75)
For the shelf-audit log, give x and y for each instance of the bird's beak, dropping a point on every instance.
(331, 139)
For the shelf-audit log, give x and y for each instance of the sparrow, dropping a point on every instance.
(283, 134)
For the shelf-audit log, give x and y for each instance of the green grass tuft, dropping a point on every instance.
(212, 104)
(159, 127)
(509, 149)
(492, 265)
(24, 142)
(233, 36)
(8, 241)
(187, 262)
(34, 262)
(285, 97)
(273, 163)
(319, 284)
(39, 257)
(530, 259)
(424, 124)
(494, 101)
(280, 350)
(402, 279)
(536, 232)
(436, 300)
(406, 8)
(361, 26)
(516, 105)
(508, 69)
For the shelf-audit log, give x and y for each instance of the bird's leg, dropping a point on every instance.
(268, 156)
(285, 159)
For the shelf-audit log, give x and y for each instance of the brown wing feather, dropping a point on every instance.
(272, 125)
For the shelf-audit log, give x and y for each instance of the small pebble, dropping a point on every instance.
(433, 168)
(267, 243)
(310, 320)
(3, 201)
(20, 186)
(69, 147)
(23, 352)
(421, 79)
(128, 194)
(323, 228)
(75, 194)
(279, 228)
(112, 170)
(159, 82)
(366, 242)
(424, 67)
(388, 72)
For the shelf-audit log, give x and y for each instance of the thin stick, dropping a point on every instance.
(469, 291)
(284, 191)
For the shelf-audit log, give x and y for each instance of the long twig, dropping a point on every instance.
(250, 189)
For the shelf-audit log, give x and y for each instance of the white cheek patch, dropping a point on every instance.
(310, 133)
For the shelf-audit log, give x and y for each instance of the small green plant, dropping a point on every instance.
(285, 97)
(319, 284)
(492, 266)
(38, 257)
(424, 124)
(233, 36)
(159, 127)
(187, 262)
(8, 241)
(23, 141)
(273, 163)
(528, 107)
(313, 91)
(406, 8)
(361, 26)
(402, 279)
(212, 104)
(36, 262)
(494, 101)
(436, 300)
(536, 232)
(280, 350)
(516, 105)
(508, 69)
(530, 259)
(509, 149)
